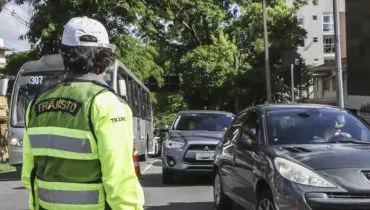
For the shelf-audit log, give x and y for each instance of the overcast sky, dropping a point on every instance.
(11, 28)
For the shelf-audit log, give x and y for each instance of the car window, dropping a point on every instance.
(234, 130)
(203, 121)
(251, 126)
(314, 125)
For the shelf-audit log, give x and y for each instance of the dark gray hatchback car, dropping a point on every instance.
(294, 157)
(191, 142)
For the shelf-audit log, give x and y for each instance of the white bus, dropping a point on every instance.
(36, 76)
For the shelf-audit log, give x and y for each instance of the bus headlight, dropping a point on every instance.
(15, 142)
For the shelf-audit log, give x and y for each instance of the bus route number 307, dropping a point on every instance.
(35, 80)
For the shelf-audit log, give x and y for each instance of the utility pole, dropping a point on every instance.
(292, 81)
(338, 56)
(267, 59)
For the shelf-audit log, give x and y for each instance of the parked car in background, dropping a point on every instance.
(294, 157)
(160, 135)
(191, 142)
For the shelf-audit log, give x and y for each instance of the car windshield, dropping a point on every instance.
(203, 121)
(309, 126)
(30, 84)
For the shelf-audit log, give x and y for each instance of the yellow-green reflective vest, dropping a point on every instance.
(67, 173)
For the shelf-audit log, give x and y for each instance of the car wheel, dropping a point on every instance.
(168, 177)
(157, 150)
(144, 157)
(18, 171)
(222, 202)
(265, 201)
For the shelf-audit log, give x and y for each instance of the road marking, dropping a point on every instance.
(149, 166)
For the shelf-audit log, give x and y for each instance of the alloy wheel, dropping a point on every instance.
(265, 204)
(217, 189)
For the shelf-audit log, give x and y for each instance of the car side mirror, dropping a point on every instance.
(245, 141)
(165, 129)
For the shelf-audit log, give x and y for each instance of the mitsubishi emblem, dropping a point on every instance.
(206, 148)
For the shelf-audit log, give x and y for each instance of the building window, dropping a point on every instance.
(329, 44)
(327, 22)
(315, 39)
(301, 43)
(301, 21)
(314, 17)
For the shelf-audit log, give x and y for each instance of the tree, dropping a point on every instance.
(46, 25)
(166, 107)
(208, 68)
(119, 17)
(139, 57)
(17, 59)
(2, 4)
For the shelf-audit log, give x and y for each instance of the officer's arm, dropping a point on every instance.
(113, 129)
(28, 162)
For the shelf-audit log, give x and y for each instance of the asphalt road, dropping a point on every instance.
(193, 193)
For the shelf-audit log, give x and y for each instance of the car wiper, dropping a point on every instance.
(349, 141)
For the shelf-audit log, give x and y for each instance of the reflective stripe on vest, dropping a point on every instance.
(74, 196)
(69, 197)
(64, 143)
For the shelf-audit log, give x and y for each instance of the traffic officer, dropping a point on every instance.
(78, 142)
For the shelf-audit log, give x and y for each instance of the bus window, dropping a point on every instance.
(138, 105)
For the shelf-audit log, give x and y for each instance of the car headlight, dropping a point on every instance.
(15, 142)
(299, 174)
(173, 144)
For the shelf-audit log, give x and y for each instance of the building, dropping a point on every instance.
(318, 49)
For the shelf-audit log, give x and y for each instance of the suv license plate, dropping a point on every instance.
(204, 156)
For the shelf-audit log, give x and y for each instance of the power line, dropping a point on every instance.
(16, 16)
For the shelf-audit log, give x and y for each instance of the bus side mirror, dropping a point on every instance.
(122, 88)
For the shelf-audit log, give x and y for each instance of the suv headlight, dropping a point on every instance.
(299, 174)
(15, 142)
(169, 144)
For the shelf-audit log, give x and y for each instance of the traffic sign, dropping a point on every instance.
(292, 57)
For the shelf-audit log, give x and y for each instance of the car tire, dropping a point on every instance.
(18, 171)
(168, 177)
(157, 150)
(144, 157)
(221, 201)
(265, 201)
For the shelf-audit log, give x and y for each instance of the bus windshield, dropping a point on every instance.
(26, 87)
(30, 84)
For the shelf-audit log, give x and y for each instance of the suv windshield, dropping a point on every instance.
(203, 121)
(308, 126)
(30, 84)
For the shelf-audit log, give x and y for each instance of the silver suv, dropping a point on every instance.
(191, 142)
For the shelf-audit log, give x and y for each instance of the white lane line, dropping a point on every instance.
(149, 166)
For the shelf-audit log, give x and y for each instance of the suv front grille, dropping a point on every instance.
(190, 155)
(202, 147)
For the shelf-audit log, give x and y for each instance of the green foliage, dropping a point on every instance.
(139, 57)
(217, 47)
(119, 17)
(209, 66)
(16, 60)
(2, 3)
(168, 104)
